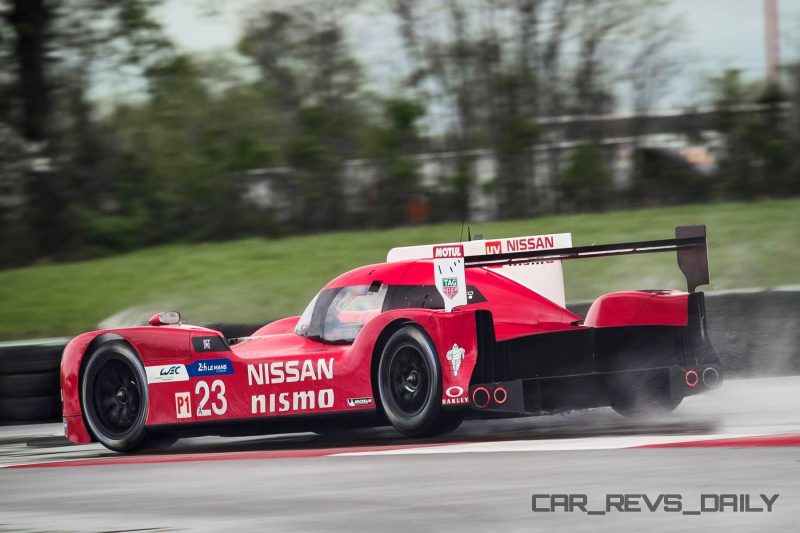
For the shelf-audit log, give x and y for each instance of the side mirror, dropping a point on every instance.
(164, 319)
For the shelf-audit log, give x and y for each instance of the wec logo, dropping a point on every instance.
(166, 373)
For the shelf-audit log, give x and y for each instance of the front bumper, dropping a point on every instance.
(75, 430)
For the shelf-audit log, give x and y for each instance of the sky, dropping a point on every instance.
(719, 34)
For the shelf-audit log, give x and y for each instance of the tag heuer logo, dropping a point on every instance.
(450, 286)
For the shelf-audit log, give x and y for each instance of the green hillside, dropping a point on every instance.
(254, 280)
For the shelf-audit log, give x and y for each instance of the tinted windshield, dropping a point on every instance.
(305, 319)
(337, 315)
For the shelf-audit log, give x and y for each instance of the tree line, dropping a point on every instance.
(81, 176)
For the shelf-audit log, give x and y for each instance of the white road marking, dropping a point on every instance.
(591, 443)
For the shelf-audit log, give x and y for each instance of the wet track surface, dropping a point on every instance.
(479, 478)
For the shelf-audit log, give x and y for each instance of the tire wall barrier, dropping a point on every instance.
(29, 380)
(755, 334)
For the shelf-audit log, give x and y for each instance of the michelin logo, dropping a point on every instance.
(357, 402)
(166, 373)
(210, 367)
(455, 356)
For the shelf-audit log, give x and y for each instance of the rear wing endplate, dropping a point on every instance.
(689, 243)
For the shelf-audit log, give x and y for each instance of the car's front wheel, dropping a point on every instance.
(410, 385)
(114, 396)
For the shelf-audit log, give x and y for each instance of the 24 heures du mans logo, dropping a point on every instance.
(210, 367)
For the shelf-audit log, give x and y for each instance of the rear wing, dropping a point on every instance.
(689, 243)
(450, 259)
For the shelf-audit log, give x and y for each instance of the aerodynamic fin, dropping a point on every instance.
(689, 243)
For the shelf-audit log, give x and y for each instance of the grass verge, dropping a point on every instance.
(255, 280)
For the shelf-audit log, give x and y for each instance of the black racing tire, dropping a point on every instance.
(410, 385)
(29, 385)
(645, 397)
(114, 397)
(27, 358)
(33, 409)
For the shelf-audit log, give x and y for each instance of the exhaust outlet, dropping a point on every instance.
(481, 397)
(691, 378)
(710, 377)
(500, 395)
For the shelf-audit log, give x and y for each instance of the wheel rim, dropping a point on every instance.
(409, 379)
(116, 397)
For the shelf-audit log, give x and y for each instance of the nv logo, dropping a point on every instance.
(450, 287)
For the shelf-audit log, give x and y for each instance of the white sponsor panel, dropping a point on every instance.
(545, 278)
(449, 277)
(183, 405)
(166, 373)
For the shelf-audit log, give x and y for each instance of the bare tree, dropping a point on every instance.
(309, 74)
(599, 25)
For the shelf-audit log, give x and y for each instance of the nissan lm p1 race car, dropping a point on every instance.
(436, 334)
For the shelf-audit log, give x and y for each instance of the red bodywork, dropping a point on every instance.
(199, 378)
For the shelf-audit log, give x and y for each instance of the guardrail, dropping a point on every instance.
(755, 332)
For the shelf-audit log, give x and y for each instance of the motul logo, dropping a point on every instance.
(529, 243)
(494, 247)
(444, 252)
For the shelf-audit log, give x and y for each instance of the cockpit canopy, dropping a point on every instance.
(337, 315)
(345, 305)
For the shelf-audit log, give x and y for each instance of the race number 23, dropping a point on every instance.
(215, 393)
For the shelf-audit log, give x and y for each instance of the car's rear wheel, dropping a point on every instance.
(410, 385)
(114, 397)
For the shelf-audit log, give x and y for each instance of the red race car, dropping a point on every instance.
(436, 334)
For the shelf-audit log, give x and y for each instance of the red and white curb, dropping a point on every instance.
(594, 443)
(542, 445)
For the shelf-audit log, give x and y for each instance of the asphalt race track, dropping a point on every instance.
(743, 438)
